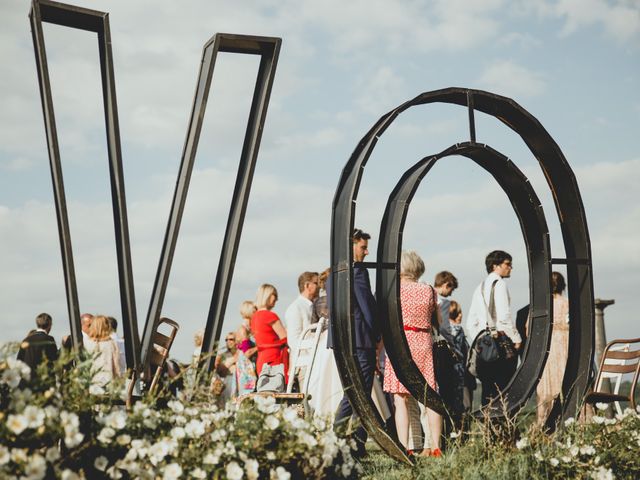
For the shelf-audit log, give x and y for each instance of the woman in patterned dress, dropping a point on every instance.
(418, 303)
(551, 381)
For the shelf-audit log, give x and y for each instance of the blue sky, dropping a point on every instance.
(575, 65)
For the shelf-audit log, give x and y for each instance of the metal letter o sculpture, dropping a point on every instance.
(527, 207)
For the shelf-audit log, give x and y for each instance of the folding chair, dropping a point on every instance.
(617, 360)
(160, 347)
(303, 357)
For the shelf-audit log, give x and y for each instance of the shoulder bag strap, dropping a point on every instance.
(491, 308)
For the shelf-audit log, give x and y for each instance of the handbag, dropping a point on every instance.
(485, 349)
(271, 379)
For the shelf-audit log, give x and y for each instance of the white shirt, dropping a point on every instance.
(478, 316)
(297, 318)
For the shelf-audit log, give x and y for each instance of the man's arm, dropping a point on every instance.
(364, 297)
(504, 320)
(293, 319)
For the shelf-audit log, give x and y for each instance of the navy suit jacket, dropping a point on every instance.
(35, 347)
(367, 327)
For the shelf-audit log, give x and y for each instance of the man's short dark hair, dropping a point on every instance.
(113, 323)
(304, 278)
(497, 257)
(44, 321)
(359, 235)
(443, 278)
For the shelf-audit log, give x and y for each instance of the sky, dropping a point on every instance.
(573, 64)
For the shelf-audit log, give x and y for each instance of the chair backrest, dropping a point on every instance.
(618, 359)
(305, 354)
(161, 345)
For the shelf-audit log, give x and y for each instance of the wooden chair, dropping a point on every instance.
(158, 354)
(617, 360)
(303, 357)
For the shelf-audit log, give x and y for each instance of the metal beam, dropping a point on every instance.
(268, 49)
(97, 22)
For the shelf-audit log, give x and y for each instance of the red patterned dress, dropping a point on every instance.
(417, 301)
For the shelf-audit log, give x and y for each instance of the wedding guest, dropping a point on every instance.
(122, 359)
(244, 337)
(39, 346)
(550, 383)
(225, 367)
(103, 350)
(418, 304)
(268, 330)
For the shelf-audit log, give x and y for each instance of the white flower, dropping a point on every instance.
(106, 435)
(116, 420)
(176, 406)
(34, 415)
(50, 411)
(602, 474)
(52, 454)
(574, 450)
(587, 450)
(454, 434)
(346, 469)
(73, 440)
(198, 473)
(69, 475)
(68, 419)
(290, 414)
(159, 450)
(234, 471)
(251, 467)
(172, 472)
(538, 456)
(11, 378)
(194, 428)
(554, 461)
(101, 463)
(17, 423)
(280, 473)
(602, 406)
(610, 421)
(36, 468)
(210, 459)
(266, 404)
(96, 389)
(178, 433)
(271, 456)
(598, 419)
(569, 421)
(566, 459)
(19, 367)
(219, 434)
(114, 472)
(4, 455)
(271, 422)
(522, 443)
(19, 455)
(123, 439)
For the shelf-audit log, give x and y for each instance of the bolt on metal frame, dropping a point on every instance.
(97, 22)
(570, 210)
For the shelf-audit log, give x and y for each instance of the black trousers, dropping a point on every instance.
(367, 361)
(496, 378)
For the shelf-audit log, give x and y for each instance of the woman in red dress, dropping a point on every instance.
(418, 302)
(268, 331)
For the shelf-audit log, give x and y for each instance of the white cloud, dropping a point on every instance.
(511, 79)
(380, 91)
(620, 19)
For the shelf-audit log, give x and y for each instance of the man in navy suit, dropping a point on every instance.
(367, 331)
(38, 344)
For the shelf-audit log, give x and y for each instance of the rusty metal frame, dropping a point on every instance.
(268, 49)
(570, 210)
(97, 22)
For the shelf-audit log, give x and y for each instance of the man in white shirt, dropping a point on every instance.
(298, 315)
(499, 266)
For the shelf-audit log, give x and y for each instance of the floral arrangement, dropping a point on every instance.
(52, 427)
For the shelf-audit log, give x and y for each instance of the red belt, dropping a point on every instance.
(417, 329)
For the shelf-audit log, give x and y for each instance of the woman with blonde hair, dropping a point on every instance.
(268, 330)
(418, 302)
(104, 351)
